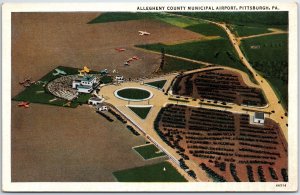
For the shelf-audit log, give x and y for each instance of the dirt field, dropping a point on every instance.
(220, 139)
(59, 144)
(42, 41)
(74, 145)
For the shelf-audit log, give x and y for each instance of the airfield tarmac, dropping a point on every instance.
(43, 41)
(76, 144)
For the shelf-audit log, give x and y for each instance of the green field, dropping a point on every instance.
(142, 112)
(207, 29)
(270, 59)
(239, 18)
(218, 51)
(175, 20)
(150, 173)
(132, 93)
(106, 79)
(242, 18)
(118, 16)
(241, 30)
(37, 93)
(157, 84)
(149, 151)
(192, 24)
(174, 65)
(126, 16)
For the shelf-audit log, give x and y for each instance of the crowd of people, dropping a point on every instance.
(62, 87)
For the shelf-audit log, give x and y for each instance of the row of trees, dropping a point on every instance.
(105, 116)
(119, 117)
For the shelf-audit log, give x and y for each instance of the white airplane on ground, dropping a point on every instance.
(143, 33)
(58, 71)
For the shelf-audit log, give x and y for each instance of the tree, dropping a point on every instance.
(162, 62)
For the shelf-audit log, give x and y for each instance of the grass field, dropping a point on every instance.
(157, 84)
(173, 65)
(243, 18)
(149, 151)
(125, 16)
(214, 51)
(106, 79)
(241, 30)
(37, 93)
(270, 59)
(194, 25)
(217, 51)
(132, 93)
(207, 29)
(117, 16)
(150, 173)
(142, 112)
(175, 20)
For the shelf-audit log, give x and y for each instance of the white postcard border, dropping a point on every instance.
(142, 187)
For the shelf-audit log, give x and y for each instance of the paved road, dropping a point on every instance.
(275, 31)
(159, 100)
(279, 115)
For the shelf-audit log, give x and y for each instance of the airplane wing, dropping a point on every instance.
(86, 69)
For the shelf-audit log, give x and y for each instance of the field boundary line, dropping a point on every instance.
(177, 57)
(171, 157)
(166, 156)
(142, 145)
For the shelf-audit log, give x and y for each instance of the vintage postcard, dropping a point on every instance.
(149, 97)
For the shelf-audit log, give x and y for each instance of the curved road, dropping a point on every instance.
(279, 115)
(159, 100)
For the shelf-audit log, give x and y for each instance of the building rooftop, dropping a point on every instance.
(87, 78)
(259, 115)
(84, 87)
(100, 105)
(95, 99)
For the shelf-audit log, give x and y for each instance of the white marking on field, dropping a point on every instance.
(159, 151)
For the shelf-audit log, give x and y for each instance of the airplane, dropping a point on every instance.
(41, 82)
(80, 74)
(68, 104)
(143, 33)
(26, 82)
(26, 85)
(58, 72)
(84, 70)
(120, 49)
(104, 71)
(129, 60)
(24, 104)
(135, 58)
